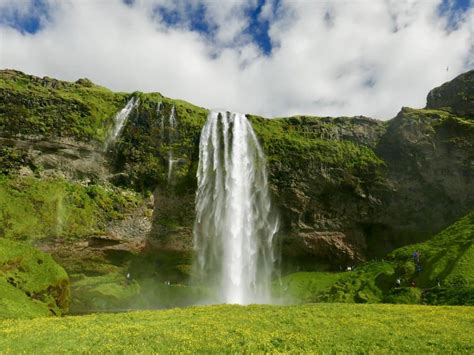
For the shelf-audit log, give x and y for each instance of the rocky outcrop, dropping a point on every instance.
(430, 168)
(64, 158)
(456, 96)
(110, 251)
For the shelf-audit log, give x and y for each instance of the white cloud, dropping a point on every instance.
(330, 58)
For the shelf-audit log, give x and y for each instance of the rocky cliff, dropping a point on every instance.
(346, 188)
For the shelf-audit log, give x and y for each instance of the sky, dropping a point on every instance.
(268, 57)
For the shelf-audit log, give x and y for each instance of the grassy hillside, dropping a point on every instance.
(305, 287)
(31, 283)
(447, 258)
(323, 328)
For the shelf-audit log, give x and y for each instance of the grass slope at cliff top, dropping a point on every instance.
(255, 329)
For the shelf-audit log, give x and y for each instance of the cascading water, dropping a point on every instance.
(171, 138)
(120, 120)
(235, 226)
(162, 121)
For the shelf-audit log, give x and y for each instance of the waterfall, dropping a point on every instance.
(120, 120)
(171, 139)
(161, 120)
(235, 227)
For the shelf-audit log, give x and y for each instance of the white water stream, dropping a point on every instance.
(170, 137)
(235, 226)
(120, 120)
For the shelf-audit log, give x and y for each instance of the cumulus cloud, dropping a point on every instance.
(328, 57)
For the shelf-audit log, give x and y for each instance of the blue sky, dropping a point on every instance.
(273, 57)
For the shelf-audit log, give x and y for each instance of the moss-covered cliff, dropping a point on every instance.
(346, 188)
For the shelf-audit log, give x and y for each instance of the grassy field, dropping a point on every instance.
(225, 328)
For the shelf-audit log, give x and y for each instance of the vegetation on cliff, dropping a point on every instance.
(355, 178)
(33, 208)
(52, 108)
(438, 271)
(292, 141)
(32, 284)
(142, 151)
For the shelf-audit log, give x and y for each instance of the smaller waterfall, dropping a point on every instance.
(161, 120)
(60, 214)
(171, 137)
(120, 120)
(168, 135)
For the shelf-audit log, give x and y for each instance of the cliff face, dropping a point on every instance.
(430, 166)
(456, 96)
(346, 188)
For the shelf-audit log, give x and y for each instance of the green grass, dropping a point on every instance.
(323, 328)
(447, 257)
(31, 283)
(306, 286)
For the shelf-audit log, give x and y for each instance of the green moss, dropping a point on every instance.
(12, 159)
(84, 111)
(143, 149)
(32, 208)
(367, 284)
(282, 140)
(291, 150)
(31, 283)
(438, 121)
(53, 108)
(14, 303)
